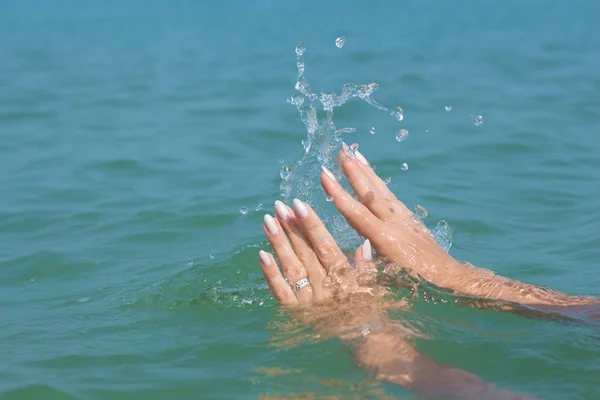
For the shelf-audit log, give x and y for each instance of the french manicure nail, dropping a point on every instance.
(264, 258)
(282, 211)
(345, 147)
(300, 209)
(367, 252)
(328, 172)
(361, 158)
(271, 225)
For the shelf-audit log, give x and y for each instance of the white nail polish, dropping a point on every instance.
(346, 148)
(367, 252)
(282, 211)
(328, 172)
(361, 158)
(300, 209)
(271, 225)
(264, 258)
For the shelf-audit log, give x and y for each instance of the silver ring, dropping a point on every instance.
(301, 284)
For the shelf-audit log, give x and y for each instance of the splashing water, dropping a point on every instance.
(243, 210)
(401, 135)
(398, 113)
(345, 130)
(339, 42)
(300, 179)
(448, 108)
(478, 120)
(443, 234)
(420, 213)
(404, 166)
(372, 130)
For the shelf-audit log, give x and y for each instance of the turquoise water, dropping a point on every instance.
(132, 134)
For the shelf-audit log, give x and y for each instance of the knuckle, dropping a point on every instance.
(307, 256)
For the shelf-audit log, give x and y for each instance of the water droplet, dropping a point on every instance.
(244, 210)
(354, 147)
(258, 207)
(83, 299)
(388, 180)
(329, 198)
(300, 49)
(420, 212)
(372, 130)
(339, 42)
(478, 120)
(426, 130)
(306, 180)
(296, 100)
(398, 113)
(285, 173)
(404, 166)
(448, 108)
(401, 135)
(211, 256)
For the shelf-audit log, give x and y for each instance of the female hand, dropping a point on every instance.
(308, 255)
(391, 227)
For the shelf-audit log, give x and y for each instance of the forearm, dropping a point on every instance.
(470, 280)
(390, 357)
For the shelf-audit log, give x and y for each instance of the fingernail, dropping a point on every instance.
(264, 258)
(367, 252)
(282, 211)
(347, 150)
(271, 225)
(300, 209)
(361, 158)
(328, 173)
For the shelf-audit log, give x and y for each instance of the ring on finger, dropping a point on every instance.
(301, 284)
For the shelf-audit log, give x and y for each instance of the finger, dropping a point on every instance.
(292, 268)
(359, 166)
(364, 254)
(372, 195)
(325, 247)
(303, 249)
(357, 214)
(280, 289)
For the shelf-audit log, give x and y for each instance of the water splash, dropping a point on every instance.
(372, 130)
(401, 135)
(398, 113)
(345, 130)
(448, 108)
(478, 120)
(420, 213)
(339, 42)
(243, 210)
(443, 234)
(258, 207)
(300, 179)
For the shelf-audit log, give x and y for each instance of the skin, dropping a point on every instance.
(349, 303)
